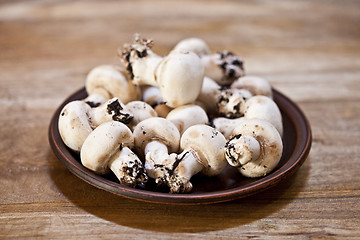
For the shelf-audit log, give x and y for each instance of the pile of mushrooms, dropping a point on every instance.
(169, 118)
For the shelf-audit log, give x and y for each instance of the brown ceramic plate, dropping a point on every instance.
(227, 186)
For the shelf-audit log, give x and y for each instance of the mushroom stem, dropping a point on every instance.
(241, 150)
(140, 61)
(155, 137)
(145, 68)
(188, 165)
(158, 162)
(128, 168)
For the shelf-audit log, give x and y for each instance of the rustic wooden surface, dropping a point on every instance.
(309, 50)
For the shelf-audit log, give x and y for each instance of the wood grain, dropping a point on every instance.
(309, 50)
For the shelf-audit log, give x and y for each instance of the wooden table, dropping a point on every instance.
(308, 50)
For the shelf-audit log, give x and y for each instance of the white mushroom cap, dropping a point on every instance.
(103, 143)
(180, 76)
(195, 45)
(212, 69)
(111, 110)
(74, 126)
(256, 85)
(110, 81)
(209, 95)
(226, 125)
(186, 116)
(98, 98)
(260, 151)
(151, 95)
(108, 147)
(140, 111)
(262, 107)
(203, 151)
(156, 129)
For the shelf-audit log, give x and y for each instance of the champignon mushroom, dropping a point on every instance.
(224, 67)
(262, 107)
(155, 138)
(195, 45)
(186, 116)
(209, 95)
(140, 111)
(179, 75)
(74, 125)
(107, 81)
(256, 85)
(77, 120)
(256, 107)
(255, 148)
(108, 147)
(203, 151)
(151, 95)
(226, 125)
(226, 102)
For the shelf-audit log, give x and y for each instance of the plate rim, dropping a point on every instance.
(296, 159)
